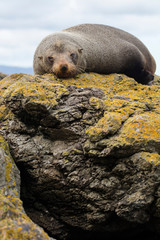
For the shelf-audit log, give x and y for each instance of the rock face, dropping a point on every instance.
(14, 223)
(88, 150)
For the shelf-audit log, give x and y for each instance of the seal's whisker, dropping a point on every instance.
(80, 69)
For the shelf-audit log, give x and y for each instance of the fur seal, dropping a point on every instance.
(94, 48)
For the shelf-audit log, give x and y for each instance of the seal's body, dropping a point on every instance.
(94, 48)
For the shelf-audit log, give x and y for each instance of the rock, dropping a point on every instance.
(88, 150)
(9, 173)
(2, 75)
(14, 223)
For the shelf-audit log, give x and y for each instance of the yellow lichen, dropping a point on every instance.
(4, 145)
(131, 110)
(142, 127)
(107, 125)
(41, 91)
(139, 133)
(153, 158)
(97, 103)
(15, 224)
(9, 169)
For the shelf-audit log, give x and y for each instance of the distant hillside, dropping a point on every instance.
(12, 69)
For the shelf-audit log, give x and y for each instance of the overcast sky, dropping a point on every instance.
(24, 23)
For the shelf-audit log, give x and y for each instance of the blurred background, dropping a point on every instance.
(24, 23)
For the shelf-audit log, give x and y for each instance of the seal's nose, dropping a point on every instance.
(64, 68)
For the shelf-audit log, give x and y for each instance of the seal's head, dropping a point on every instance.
(63, 60)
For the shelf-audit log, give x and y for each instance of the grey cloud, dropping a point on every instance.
(123, 7)
(53, 14)
(30, 14)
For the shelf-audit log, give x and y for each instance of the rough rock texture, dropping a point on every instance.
(88, 150)
(14, 223)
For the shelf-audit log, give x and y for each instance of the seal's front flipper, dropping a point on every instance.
(145, 77)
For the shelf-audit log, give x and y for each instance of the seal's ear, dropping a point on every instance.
(80, 50)
(40, 57)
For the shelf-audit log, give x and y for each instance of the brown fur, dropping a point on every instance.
(94, 48)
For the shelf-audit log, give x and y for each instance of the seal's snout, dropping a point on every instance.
(64, 67)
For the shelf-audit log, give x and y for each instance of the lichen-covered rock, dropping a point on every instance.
(9, 174)
(14, 223)
(88, 149)
(2, 75)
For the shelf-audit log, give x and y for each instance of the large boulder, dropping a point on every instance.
(88, 150)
